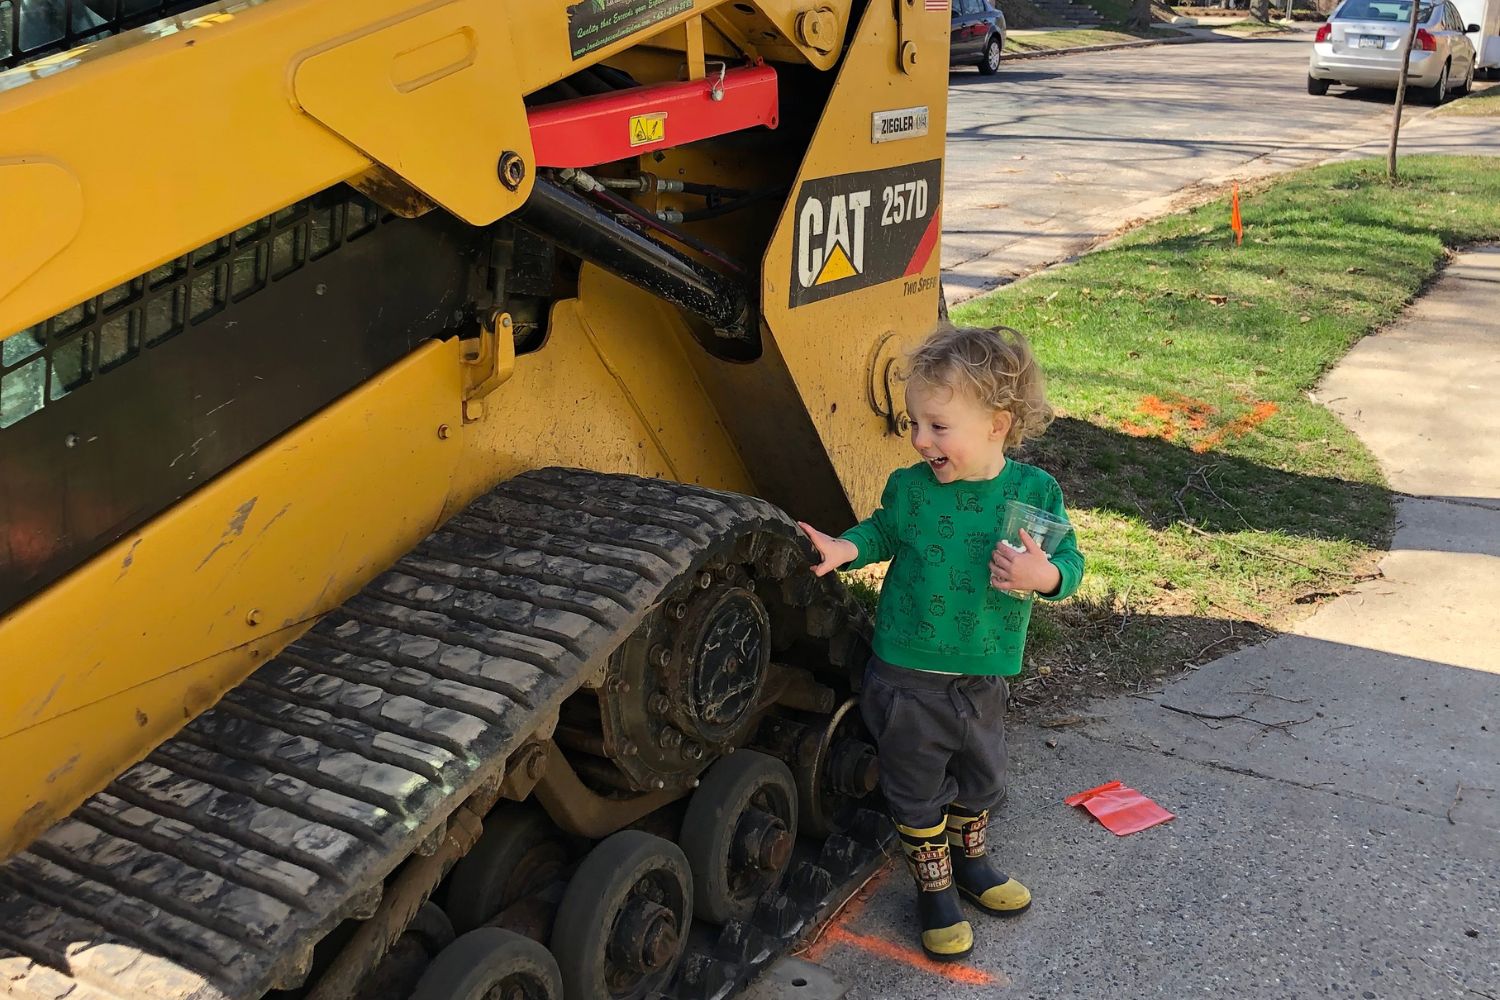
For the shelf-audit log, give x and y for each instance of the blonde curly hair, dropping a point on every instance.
(996, 368)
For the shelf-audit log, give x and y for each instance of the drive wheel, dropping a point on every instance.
(835, 770)
(738, 834)
(1316, 87)
(989, 63)
(491, 964)
(519, 853)
(623, 923)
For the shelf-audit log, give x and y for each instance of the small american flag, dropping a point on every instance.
(935, 4)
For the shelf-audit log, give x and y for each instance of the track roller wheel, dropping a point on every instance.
(622, 926)
(520, 852)
(738, 834)
(491, 964)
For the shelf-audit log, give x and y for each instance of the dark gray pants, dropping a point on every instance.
(941, 740)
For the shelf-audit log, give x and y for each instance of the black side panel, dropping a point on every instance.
(127, 403)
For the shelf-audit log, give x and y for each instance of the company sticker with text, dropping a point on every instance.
(903, 123)
(593, 24)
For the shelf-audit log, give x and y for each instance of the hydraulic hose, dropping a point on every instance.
(579, 228)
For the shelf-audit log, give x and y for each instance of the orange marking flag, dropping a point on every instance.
(1121, 809)
(1234, 217)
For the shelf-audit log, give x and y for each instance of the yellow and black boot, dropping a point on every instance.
(976, 877)
(946, 935)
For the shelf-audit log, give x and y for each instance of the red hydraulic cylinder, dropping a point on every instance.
(589, 131)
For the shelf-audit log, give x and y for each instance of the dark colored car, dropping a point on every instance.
(978, 35)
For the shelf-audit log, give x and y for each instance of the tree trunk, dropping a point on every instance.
(1411, 37)
(1260, 10)
(1140, 15)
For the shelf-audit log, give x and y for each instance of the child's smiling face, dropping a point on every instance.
(958, 438)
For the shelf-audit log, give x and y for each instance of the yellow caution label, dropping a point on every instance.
(646, 129)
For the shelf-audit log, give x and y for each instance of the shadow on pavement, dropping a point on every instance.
(1007, 74)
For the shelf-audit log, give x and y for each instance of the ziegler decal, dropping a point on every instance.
(905, 123)
(858, 230)
(593, 24)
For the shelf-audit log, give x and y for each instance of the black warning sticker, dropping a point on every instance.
(858, 230)
(593, 24)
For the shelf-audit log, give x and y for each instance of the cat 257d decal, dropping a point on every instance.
(858, 230)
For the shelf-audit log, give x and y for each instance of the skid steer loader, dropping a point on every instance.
(401, 406)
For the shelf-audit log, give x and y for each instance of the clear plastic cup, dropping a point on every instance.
(1046, 529)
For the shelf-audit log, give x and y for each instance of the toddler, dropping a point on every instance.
(953, 614)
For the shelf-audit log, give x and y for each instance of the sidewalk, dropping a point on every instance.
(1337, 818)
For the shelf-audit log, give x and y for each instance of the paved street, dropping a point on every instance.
(1335, 788)
(1051, 154)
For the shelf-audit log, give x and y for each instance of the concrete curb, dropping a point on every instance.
(1143, 43)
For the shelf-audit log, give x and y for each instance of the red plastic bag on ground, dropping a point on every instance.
(1121, 809)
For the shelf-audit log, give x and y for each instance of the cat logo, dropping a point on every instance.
(854, 231)
(831, 240)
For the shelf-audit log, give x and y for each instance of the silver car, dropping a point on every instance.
(1363, 41)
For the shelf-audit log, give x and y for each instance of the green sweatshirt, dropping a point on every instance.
(937, 609)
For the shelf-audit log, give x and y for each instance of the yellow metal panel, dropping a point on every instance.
(432, 97)
(43, 199)
(51, 768)
(828, 345)
(280, 538)
(612, 390)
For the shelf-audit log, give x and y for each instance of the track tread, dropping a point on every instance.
(198, 784)
(309, 783)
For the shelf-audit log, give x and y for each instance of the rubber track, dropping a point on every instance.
(208, 871)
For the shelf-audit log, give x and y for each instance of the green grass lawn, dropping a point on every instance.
(1481, 103)
(1215, 497)
(1076, 37)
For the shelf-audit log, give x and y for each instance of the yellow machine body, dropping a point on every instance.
(272, 101)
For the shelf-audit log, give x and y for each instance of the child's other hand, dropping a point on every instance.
(1030, 569)
(835, 551)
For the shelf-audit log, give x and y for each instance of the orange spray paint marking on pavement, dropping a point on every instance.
(836, 931)
(968, 975)
(852, 908)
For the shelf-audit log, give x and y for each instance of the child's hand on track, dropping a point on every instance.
(835, 551)
(1023, 571)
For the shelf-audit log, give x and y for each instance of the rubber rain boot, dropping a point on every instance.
(975, 875)
(946, 935)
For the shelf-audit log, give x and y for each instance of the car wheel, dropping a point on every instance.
(989, 65)
(1317, 87)
(1468, 86)
(1438, 92)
